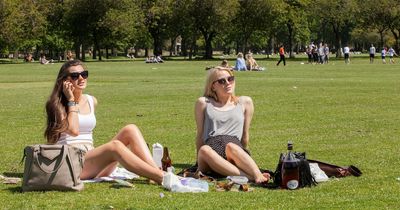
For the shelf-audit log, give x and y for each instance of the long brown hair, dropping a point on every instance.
(211, 77)
(56, 105)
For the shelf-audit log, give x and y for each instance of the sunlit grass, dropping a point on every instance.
(342, 114)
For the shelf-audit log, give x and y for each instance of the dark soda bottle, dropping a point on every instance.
(166, 159)
(290, 170)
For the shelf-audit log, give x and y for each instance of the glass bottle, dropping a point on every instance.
(290, 170)
(166, 159)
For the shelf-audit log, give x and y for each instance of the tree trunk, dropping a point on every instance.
(290, 30)
(208, 48)
(396, 37)
(338, 41)
(83, 52)
(77, 50)
(184, 47)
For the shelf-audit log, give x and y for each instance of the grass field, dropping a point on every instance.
(337, 113)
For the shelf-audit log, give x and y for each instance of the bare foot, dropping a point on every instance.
(262, 178)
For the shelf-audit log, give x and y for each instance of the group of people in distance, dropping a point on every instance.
(250, 64)
(318, 54)
(222, 120)
(154, 59)
(390, 52)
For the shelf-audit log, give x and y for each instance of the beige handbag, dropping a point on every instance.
(52, 167)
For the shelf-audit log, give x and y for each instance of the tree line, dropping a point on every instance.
(105, 26)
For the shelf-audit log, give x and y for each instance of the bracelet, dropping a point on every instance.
(73, 111)
(72, 103)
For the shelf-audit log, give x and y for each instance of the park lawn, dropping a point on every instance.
(337, 113)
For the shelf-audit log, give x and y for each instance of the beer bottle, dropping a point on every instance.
(290, 170)
(166, 159)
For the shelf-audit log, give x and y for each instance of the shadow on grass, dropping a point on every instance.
(15, 189)
(13, 174)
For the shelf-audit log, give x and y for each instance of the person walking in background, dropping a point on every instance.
(71, 120)
(346, 51)
(281, 55)
(391, 53)
(240, 64)
(383, 55)
(372, 52)
(223, 122)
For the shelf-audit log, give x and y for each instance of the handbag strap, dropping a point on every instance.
(71, 167)
(60, 160)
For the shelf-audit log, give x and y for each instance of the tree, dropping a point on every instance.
(339, 14)
(293, 15)
(101, 23)
(211, 18)
(21, 23)
(253, 17)
(157, 14)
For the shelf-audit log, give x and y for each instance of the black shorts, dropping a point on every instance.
(218, 144)
(346, 55)
(372, 55)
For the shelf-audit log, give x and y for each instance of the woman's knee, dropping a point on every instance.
(130, 128)
(233, 149)
(116, 146)
(205, 150)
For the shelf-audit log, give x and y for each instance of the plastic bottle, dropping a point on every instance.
(166, 161)
(290, 170)
(157, 154)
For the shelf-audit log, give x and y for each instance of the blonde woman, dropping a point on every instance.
(223, 122)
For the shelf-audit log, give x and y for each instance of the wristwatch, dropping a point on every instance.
(72, 103)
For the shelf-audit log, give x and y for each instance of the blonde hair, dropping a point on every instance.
(212, 76)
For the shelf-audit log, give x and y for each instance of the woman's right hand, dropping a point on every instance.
(68, 90)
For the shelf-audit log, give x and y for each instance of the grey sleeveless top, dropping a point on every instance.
(218, 122)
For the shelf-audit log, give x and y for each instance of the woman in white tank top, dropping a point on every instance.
(71, 119)
(223, 122)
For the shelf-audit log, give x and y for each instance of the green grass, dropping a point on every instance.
(341, 114)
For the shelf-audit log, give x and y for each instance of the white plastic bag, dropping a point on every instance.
(318, 174)
(183, 184)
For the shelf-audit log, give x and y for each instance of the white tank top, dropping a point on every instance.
(87, 122)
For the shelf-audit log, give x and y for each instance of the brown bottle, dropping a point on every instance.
(166, 159)
(290, 170)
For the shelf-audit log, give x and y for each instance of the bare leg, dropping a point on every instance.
(131, 136)
(208, 160)
(244, 162)
(102, 160)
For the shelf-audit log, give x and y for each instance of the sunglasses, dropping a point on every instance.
(75, 75)
(223, 81)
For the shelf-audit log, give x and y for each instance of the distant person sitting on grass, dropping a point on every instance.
(43, 60)
(71, 120)
(29, 58)
(225, 64)
(240, 64)
(251, 63)
(223, 122)
(69, 55)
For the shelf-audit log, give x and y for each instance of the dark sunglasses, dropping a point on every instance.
(75, 75)
(223, 81)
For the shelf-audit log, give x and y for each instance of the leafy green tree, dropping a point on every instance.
(253, 18)
(339, 14)
(157, 14)
(292, 14)
(22, 23)
(211, 17)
